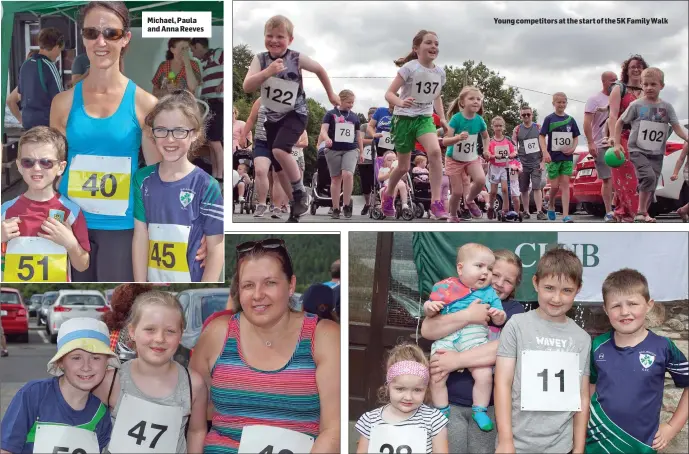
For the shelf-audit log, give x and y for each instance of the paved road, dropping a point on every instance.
(26, 362)
(322, 216)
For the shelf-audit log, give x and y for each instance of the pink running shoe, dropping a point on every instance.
(388, 205)
(475, 211)
(438, 210)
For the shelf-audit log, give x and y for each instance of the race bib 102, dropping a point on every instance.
(279, 95)
(651, 135)
(100, 184)
(273, 440)
(550, 381)
(390, 439)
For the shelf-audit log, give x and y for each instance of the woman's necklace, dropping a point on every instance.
(267, 343)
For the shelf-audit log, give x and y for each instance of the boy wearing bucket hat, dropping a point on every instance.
(60, 414)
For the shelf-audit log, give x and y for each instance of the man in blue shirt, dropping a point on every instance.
(40, 80)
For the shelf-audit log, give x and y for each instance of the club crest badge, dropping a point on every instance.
(646, 359)
(185, 197)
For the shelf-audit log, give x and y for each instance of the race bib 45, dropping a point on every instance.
(167, 253)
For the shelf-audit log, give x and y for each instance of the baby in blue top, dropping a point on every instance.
(474, 271)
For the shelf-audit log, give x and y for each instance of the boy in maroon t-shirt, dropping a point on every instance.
(42, 231)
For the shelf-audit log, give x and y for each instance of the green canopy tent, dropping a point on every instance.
(71, 10)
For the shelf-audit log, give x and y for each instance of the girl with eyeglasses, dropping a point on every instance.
(43, 232)
(270, 368)
(103, 118)
(176, 203)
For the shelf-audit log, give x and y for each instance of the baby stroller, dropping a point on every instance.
(246, 157)
(421, 191)
(320, 186)
(377, 210)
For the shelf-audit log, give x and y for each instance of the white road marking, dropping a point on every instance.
(43, 336)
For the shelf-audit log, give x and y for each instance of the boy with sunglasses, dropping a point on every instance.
(43, 232)
(533, 163)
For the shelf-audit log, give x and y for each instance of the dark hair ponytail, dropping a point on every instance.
(416, 42)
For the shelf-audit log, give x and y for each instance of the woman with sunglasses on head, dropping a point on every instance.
(178, 71)
(175, 202)
(269, 365)
(103, 119)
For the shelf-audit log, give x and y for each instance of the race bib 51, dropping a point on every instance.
(167, 253)
(34, 259)
(100, 184)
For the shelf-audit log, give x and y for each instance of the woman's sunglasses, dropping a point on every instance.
(110, 34)
(270, 244)
(46, 164)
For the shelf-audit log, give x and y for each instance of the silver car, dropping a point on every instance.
(72, 304)
(47, 301)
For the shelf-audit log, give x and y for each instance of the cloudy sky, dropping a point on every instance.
(355, 40)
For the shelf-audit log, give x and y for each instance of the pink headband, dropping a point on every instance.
(407, 368)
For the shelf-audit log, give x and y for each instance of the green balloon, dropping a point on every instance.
(611, 158)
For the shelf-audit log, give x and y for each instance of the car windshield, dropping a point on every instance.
(10, 298)
(35, 299)
(83, 300)
(48, 300)
(212, 304)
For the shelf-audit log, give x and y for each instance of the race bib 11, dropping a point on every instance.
(550, 381)
(279, 95)
(389, 439)
(273, 440)
(167, 253)
(100, 184)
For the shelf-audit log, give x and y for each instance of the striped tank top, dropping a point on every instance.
(245, 396)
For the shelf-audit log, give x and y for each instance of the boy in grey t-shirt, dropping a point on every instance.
(649, 117)
(539, 422)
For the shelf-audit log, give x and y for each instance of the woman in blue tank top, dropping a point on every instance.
(103, 118)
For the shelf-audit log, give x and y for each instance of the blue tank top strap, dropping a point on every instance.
(129, 99)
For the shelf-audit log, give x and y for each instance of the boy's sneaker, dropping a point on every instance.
(525, 215)
(541, 216)
(364, 210)
(551, 215)
(388, 205)
(438, 210)
(260, 210)
(347, 210)
(300, 204)
(609, 217)
(567, 219)
(336, 214)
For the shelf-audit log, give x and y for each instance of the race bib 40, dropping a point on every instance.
(100, 184)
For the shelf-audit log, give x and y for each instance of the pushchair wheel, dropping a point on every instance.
(377, 213)
(419, 210)
(407, 214)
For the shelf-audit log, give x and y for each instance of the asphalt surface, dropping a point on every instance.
(322, 216)
(26, 362)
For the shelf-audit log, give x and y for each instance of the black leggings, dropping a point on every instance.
(366, 176)
(111, 257)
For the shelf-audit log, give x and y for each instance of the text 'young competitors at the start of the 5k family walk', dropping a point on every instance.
(474, 167)
(504, 377)
(87, 211)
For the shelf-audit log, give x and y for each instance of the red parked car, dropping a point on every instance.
(579, 155)
(587, 185)
(13, 314)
